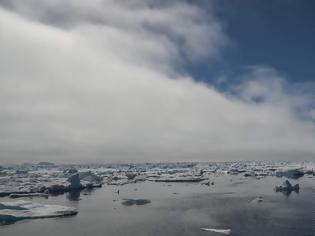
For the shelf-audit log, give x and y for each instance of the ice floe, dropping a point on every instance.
(11, 212)
(221, 231)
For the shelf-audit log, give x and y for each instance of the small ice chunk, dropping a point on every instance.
(258, 199)
(221, 231)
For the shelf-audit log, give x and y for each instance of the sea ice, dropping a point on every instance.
(222, 231)
(11, 212)
(174, 178)
(18, 195)
(44, 178)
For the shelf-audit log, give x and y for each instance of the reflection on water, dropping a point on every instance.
(228, 204)
(131, 202)
(74, 195)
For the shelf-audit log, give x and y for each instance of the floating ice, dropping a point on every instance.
(74, 181)
(56, 179)
(175, 178)
(222, 231)
(10, 212)
(258, 199)
(294, 173)
(88, 176)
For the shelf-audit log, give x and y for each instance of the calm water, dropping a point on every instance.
(181, 209)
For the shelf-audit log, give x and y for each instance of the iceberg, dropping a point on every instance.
(88, 176)
(221, 231)
(294, 173)
(90, 180)
(75, 182)
(10, 212)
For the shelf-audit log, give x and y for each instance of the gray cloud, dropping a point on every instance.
(96, 81)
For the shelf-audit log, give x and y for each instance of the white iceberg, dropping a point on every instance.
(221, 231)
(11, 212)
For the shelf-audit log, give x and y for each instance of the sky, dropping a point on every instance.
(154, 81)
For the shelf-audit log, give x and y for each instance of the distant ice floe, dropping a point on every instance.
(294, 173)
(10, 212)
(179, 178)
(41, 181)
(45, 178)
(221, 231)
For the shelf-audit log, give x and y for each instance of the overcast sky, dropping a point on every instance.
(118, 81)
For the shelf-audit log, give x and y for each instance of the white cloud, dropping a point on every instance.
(97, 80)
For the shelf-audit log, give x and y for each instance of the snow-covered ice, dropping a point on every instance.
(11, 212)
(47, 178)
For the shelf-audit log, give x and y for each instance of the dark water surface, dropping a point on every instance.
(181, 209)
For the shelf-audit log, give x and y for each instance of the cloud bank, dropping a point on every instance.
(98, 81)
